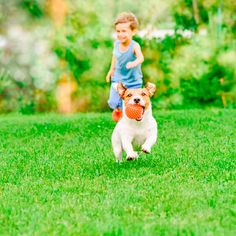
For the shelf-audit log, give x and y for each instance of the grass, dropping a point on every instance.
(58, 176)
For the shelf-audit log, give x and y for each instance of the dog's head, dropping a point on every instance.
(139, 96)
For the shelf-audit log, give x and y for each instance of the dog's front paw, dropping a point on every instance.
(132, 156)
(146, 149)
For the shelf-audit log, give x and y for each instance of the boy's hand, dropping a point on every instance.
(109, 74)
(130, 65)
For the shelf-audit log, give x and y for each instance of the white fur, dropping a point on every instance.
(129, 133)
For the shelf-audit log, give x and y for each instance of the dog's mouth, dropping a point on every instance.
(139, 119)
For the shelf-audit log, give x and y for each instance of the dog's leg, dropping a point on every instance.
(117, 146)
(118, 153)
(150, 141)
(127, 146)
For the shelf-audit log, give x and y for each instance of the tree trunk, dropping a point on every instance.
(196, 11)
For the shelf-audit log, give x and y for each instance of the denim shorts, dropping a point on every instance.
(115, 100)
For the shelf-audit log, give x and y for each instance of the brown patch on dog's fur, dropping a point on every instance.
(144, 93)
(151, 88)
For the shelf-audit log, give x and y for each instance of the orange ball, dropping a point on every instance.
(134, 111)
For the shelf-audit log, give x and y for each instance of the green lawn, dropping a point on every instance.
(58, 176)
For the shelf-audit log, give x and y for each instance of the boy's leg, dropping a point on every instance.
(114, 99)
(115, 103)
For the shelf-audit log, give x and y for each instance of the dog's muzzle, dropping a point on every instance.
(142, 114)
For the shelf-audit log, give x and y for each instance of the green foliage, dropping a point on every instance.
(190, 71)
(87, 52)
(159, 55)
(206, 70)
(33, 7)
(15, 96)
(186, 17)
(194, 14)
(58, 176)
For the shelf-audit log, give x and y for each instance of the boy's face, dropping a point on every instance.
(123, 32)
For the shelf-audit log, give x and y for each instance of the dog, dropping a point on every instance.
(129, 133)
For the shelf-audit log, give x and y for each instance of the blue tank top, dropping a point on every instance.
(129, 77)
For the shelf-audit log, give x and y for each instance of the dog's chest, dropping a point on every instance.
(138, 141)
(139, 136)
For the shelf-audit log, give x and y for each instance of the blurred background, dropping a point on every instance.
(55, 54)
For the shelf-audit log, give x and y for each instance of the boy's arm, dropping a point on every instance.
(113, 62)
(140, 58)
(112, 68)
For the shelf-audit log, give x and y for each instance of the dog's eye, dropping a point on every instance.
(143, 94)
(129, 95)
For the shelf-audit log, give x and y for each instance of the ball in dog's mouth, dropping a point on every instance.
(134, 111)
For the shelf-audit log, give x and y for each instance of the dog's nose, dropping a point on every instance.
(136, 100)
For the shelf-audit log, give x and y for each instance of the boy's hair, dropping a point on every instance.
(127, 17)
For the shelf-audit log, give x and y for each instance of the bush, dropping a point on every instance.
(205, 72)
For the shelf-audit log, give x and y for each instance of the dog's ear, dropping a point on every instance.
(151, 88)
(121, 90)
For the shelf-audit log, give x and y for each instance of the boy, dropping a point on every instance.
(126, 61)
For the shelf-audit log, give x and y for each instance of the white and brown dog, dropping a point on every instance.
(130, 132)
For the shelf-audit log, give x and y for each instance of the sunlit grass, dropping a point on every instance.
(58, 176)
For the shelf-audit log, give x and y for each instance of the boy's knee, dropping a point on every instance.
(112, 104)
